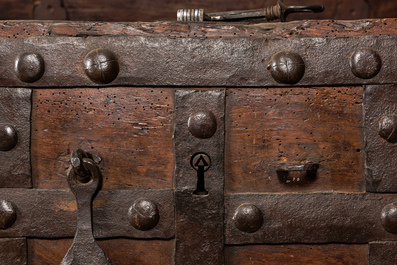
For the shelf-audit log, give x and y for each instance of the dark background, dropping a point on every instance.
(153, 10)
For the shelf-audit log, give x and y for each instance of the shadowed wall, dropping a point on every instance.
(153, 10)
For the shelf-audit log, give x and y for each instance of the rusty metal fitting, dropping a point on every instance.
(280, 10)
(190, 15)
(83, 175)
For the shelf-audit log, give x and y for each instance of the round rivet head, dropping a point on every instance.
(143, 214)
(202, 124)
(8, 137)
(8, 214)
(29, 67)
(248, 218)
(388, 128)
(365, 63)
(389, 218)
(101, 66)
(286, 67)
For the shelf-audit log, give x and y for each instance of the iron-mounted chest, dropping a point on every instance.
(218, 142)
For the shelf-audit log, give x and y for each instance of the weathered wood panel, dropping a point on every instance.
(266, 128)
(119, 251)
(297, 254)
(13, 251)
(296, 29)
(130, 128)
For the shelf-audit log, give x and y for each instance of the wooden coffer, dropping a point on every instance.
(209, 143)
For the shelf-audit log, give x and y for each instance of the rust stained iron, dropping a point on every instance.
(84, 249)
(202, 124)
(235, 62)
(15, 138)
(8, 214)
(13, 251)
(143, 214)
(101, 66)
(309, 218)
(29, 67)
(77, 161)
(382, 253)
(198, 212)
(269, 13)
(52, 213)
(380, 106)
(8, 137)
(286, 67)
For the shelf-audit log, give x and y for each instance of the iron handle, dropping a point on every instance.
(84, 249)
(280, 10)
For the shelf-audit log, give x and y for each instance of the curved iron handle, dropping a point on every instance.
(85, 250)
(286, 10)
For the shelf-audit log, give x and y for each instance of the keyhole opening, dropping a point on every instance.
(200, 189)
(201, 163)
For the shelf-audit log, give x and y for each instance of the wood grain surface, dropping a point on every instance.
(130, 128)
(119, 251)
(269, 127)
(295, 29)
(341, 254)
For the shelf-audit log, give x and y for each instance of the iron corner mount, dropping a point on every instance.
(280, 10)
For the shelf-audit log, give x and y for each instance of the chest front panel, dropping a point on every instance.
(216, 143)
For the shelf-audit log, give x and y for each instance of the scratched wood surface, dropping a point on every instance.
(130, 128)
(341, 254)
(295, 29)
(292, 126)
(119, 251)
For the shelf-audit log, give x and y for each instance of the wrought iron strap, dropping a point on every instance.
(15, 111)
(199, 176)
(233, 62)
(382, 253)
(309, 218)
(52, 213)
(380, 137)
(85, 250)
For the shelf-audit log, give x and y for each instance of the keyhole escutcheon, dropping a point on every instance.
(201, 162)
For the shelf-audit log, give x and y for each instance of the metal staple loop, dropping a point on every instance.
(82, 173)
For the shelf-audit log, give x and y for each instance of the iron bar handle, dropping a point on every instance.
(84, 249)
(280, 10)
